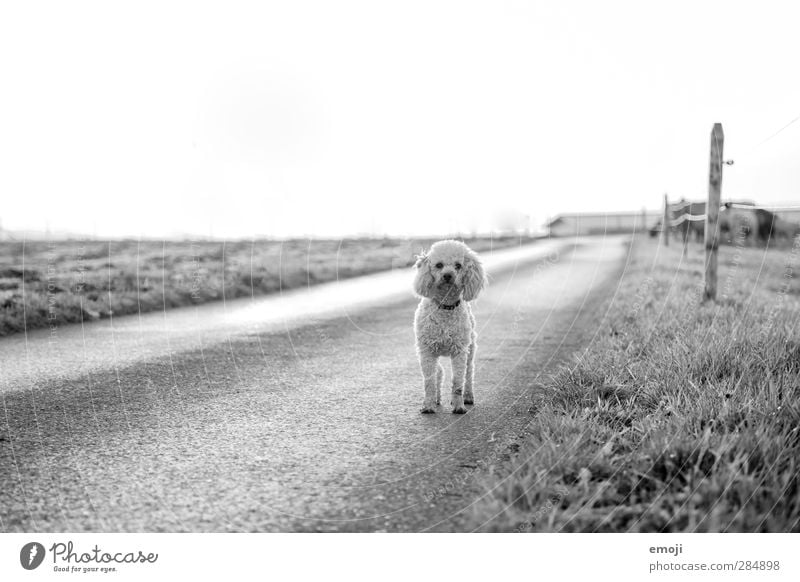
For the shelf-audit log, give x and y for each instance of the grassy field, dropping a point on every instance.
(680, 415)
(44, 283)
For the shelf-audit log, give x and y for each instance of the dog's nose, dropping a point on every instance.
(448, 277)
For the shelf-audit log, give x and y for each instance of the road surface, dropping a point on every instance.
(297, 412)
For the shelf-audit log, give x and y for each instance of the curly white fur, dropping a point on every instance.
(448, 277)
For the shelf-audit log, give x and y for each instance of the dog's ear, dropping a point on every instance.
(474, 278)
(424, 278)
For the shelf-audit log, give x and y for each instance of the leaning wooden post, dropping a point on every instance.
(665, 223)
(712, 210)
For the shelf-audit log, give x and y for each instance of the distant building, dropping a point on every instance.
(585, 223)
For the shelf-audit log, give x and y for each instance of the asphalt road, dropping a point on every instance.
(289, 413)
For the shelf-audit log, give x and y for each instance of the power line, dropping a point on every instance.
(776, 133)
(751, 149)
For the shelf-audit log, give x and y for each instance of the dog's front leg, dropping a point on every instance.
(469, 398)
(459, 375)
(439, 382)
(429, 365)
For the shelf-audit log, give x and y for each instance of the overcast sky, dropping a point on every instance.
(331, 118)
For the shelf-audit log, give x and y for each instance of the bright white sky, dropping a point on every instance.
(329, 118)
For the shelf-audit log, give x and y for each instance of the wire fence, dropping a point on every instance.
(680, 219)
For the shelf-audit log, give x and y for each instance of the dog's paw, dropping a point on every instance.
(459, 410)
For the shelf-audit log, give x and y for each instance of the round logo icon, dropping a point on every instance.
(31, 555)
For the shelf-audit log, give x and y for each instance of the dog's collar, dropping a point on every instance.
(450, 307)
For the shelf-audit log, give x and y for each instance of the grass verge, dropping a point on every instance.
(680, 416)
(45, 283)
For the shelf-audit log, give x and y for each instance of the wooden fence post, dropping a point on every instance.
(712, 210)
(665, 223)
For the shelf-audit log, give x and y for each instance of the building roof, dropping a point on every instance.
(564, 215)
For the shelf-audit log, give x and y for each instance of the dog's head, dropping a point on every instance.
(449, 271)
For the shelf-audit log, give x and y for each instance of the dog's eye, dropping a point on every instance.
(439, 265)
(458, 266)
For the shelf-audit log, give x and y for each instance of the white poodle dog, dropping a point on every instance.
(448, 277)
